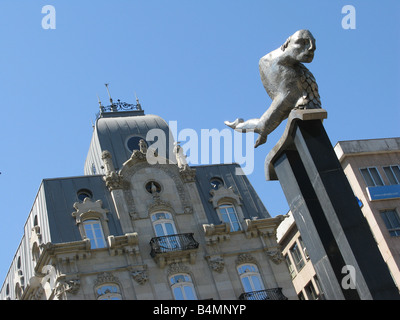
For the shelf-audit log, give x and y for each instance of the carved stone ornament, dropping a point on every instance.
(175, 268)
(124, 244)
(187, 174)
(287, 81)
(140, 275)
(105, 277)
(67, 286)
(112, 179)
(245, 258)
(172, 171)
(276, 256)
(223, 193)
(216, 263)
(215, 233)
(89, 208)
(265, 227)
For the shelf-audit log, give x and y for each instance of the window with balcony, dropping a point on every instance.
(250, 277)
(253, 285)
(182, 287)
(94, 232)
(163, 224)
(167, 241)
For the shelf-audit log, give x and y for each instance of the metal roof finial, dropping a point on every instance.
(100, 105)
(138, 106)
(108, 91)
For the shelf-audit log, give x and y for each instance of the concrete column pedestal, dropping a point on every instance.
(339, 241)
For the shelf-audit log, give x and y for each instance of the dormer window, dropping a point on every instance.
(228, 215)
(94, 232)
(92, 222)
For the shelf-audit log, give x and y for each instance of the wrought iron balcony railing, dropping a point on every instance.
(267, 294)
(175, 242)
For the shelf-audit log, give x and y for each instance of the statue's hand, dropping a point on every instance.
(261, 140)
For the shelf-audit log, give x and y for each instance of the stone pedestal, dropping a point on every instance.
(339, 241)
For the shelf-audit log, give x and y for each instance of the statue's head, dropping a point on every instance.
(300, 46)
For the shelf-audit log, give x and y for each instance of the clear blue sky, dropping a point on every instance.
(194, 62)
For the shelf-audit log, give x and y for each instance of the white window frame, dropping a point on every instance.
(297, 256)
(167, 242)
(163, 221)
(371, 176)
(88, 224)
(182, 286)
(248, 272)
(290, 265)
(111, 295)
(229, 215)
(394, 175)
(393, 230)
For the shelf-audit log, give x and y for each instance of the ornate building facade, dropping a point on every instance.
(130, 228)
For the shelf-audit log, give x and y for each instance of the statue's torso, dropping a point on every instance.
(292, 80)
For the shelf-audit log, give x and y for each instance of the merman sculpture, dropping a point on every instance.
(287, 81)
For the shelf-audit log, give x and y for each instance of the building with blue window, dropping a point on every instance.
(140, 224)
(373, 170)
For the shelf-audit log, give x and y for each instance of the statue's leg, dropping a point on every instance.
(243, 126)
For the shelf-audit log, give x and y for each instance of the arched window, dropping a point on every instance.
(250, 277)
(163, 224)
(228, 215)
(18, 291)
(108, 291)
(164, 227)
(94, 232)
(182, 287)
(35, 252)
(35, 221)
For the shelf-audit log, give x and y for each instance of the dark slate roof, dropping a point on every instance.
(112, 131)
(251, 203)
(61, 194)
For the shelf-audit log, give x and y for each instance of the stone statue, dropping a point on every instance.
(180, 157)
(143, 146)
(287, 81)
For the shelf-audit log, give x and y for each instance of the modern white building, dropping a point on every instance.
(373, 170)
